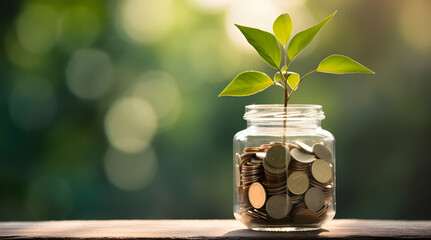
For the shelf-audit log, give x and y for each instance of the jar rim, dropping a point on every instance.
(299, 106)
(276, 112)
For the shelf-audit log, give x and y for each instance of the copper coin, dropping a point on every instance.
(237, 176)
(306, 216)
(257, 195)
(253, 149)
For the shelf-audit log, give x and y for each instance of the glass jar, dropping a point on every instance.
(284, 169)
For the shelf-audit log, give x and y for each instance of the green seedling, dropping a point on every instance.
(273, 48)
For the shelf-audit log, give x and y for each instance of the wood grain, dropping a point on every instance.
(206, 229)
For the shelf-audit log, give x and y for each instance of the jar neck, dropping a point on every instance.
(300, 117)
(309, 124)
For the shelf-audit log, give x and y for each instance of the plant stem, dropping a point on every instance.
(286, 98)
(300, 80)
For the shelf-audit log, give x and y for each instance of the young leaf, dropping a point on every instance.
(265, 44)
(277, 75)
(247, 83)
(339, 64)
(302, 39)
(292, 79)
(282, 28)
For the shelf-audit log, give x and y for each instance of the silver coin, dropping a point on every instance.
(314, 199)
(322, 152)
(278, 206)
(302, 156)
(304, 146)
(271, 169)
(321, 171)
(278, 156)
(261, 155)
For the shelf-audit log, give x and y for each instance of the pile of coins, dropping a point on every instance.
(284, 183)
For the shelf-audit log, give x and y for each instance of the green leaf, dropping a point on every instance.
(247, 83)
(339, 64)
(265, 44)
(282, 28)
(292, 79)
(277, 75)
(302, 39)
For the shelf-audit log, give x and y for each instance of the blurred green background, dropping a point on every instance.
(109, 109)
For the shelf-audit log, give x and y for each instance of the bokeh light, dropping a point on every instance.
(37, 27)
(210, 6)
(32, 104)
(109, 109)
(79, 26)
(147, 21)
(161, 90)
(89, 73)
(412, 14)
(130, 172)
(131, 124)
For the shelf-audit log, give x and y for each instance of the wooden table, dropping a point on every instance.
(207, 229)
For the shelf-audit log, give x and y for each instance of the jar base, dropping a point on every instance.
(285, 229)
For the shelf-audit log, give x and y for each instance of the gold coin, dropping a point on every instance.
(304, 146)
(237, 176)
(301, 155)
(321, 171)
(278, 206)
(322, 152)
(278, 156)
(297, 183)
(257, 195)
(306, 216)
(314, 199)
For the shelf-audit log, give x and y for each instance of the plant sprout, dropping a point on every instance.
(272, 48)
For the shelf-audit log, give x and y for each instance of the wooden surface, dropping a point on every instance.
(206, 229)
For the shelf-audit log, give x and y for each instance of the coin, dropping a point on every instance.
(322, 152)
(321, 171)
(314, 199)
(237, 158)
(237, 176)
(278, 156)
(297, 183)
(253, 149)
(296, 198)
(257, 195)
(271, 169)
(304, 146)
(297, 208)
(322, 210)
(301, 155)
(278, 206)
(261, 155)
(306, 216)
